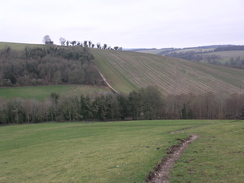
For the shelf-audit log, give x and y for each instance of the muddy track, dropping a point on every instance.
(162, 170)
(104, 79)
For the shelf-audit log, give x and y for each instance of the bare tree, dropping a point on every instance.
(85, 44)
(104, 46)
(98, 45)
(73, 43)
(62, 41)
(90, 43)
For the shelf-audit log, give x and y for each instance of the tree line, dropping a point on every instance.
(230, 48)
(47, 65)
(144, 104)
(47, 40)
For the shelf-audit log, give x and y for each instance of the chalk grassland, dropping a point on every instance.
(118, 151)
(126, 71)
(43, 92)
(112, 72)
(18, 46)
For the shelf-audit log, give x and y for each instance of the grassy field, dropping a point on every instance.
(18, 46)
(126, 71)
(119, 151)
(217, 156)
(228, 54)
(42, 92)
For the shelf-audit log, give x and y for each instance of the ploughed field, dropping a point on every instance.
(127, 71)
(120, 151)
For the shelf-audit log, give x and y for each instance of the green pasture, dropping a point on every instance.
(18, 46)
(216, 156)
(43, 92)
(125, 152)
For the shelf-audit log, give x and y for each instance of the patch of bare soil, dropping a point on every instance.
(162, 170)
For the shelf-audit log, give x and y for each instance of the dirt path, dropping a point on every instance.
(104, 79)
(161, 172)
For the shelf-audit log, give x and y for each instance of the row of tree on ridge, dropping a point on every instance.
(64, 42)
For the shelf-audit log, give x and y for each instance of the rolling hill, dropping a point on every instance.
(126, 71)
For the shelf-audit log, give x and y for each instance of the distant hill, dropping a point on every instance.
(163, 51)
(227, 55)
(126, 71)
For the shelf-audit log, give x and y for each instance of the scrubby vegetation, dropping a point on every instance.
(144, 104)
(47, 65)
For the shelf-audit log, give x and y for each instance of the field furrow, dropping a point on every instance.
(126, 71)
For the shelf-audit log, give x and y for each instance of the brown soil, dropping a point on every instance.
(104, 79)
(162, 170)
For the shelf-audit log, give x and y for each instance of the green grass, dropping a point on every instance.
(117, 151)
(18, 46)
(113, 75)
(80, 152)
(216, 156)
(43, 92)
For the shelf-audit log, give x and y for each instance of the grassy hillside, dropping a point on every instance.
(126, 71)
(107, 64)
(18, 46)
(43, 92)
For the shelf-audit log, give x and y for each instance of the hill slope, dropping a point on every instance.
(126, 71)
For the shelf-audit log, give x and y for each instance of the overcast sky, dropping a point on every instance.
(125, 23)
